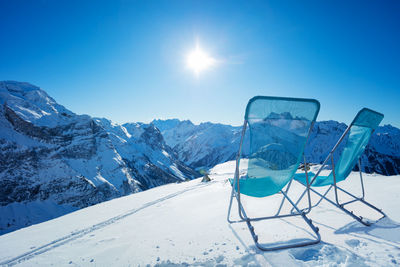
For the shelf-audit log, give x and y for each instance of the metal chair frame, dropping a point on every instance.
(337, 202)
(244, 218)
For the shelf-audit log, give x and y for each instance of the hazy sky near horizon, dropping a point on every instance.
(127, 60)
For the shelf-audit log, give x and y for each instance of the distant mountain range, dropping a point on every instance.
(207, 144)
(53, 161)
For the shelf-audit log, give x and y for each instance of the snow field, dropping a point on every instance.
(185, 224)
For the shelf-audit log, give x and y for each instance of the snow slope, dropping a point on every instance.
(185, 224)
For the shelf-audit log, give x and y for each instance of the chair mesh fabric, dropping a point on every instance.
(278, 129)
(354, 145)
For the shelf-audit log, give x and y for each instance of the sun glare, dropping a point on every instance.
(198, 60)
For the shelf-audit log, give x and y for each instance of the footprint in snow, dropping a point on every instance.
(353, 243)
(326, 253)
(219, 258)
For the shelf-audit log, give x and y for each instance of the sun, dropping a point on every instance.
(198, 60)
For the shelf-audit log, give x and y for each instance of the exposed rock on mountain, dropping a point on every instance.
(53, 161)
(201, 146)
(207, 144)
(51, 155)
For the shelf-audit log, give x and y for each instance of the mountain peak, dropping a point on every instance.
(15, 86)
(33, 104)
(164, 125)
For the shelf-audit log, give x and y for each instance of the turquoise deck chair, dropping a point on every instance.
(278, 129)
(353, 141)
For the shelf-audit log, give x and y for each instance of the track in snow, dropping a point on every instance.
(75, 235)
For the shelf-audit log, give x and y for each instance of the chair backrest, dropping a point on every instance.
(359, 133)
(278, 129)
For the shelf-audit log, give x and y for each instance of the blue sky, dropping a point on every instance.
(126, 60)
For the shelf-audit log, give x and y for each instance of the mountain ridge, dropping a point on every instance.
(51, 155)
(205, 145)
(54, 161)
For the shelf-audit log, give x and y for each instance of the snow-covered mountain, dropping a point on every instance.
(53, 161)
(207, 144)
(200, 146)
(148, 157)
(185, 225)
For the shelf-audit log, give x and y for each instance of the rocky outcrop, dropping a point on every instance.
(51, 155)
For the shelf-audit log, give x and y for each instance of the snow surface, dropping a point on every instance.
(185, 224)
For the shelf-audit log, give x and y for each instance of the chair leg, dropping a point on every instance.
(361, 179)
(255, 237)
(233, 195)
(229, 208)
(341, 206)
(307, 210)
(361, 199)
(300, 198)
(283, 198)
(324, 195)
(343, 209)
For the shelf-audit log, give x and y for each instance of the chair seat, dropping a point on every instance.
(257, 187)
(319, 181)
